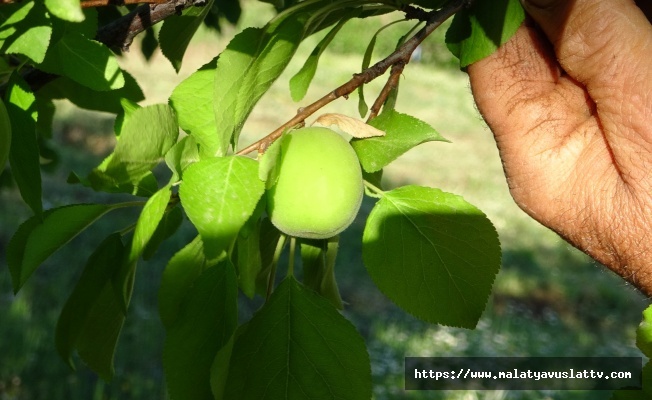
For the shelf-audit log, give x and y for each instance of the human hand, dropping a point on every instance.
(569, 100)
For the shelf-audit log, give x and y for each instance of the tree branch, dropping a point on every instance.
(120, 33)
(399, 57)
(102, 3)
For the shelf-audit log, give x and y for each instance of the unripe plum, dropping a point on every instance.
(319, 187)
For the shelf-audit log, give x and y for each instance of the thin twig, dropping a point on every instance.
(400, 56)
(103, 3)
(120, 33)
(392, 83)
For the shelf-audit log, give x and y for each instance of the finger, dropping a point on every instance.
(606, 45)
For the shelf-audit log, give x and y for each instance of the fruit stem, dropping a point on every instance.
(272, 274)
(293, 245)
(377, 192)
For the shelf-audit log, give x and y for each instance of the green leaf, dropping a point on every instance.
(36, 239)
(220, 368)
(89, 99)
(148, 221)
(192, 100)
(146, 136)
(178, 277)
(363, 108)
(432, 253)
(181, 155)
(24, 151)
(300, 82)
(26, 30)
(644, 333)
(269, 237)
(69, 10)
(366, 61)
(98, 340)
(127, 109)
(176, 32)
(99, 268)
(87, 28)
(477, 32)
(219, 195)
(374, 178)
(206, 321)
(248, 260)
(403, 133)
(145, 187)
(85, 61)
(301, 348)
(167, 227)
(267, 171)
(318, 260)
(5, 135)
(245, 71)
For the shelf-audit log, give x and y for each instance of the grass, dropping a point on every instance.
(548, 300)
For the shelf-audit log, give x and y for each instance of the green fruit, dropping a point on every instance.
(319, 186)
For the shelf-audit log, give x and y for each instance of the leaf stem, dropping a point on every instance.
(293, 244)
(378, 191)
(272, 274)
(399, 56)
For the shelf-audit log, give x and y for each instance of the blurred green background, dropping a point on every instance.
(548, 300)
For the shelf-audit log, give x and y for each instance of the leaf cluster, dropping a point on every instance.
(432, 253)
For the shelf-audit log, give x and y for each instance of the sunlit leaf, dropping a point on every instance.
(177, 31)
(644, 333)
(85, 61)
(25, 29)
(69, 10)
(146, 136)
(245, 71)
(192, 100)
(300, 82)
(478, 31)
(181, 155)
(219, 195)
(432, 253)
(24, 151)
(148, 221)
(403, 132)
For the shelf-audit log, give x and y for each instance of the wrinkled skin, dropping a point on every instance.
(569, 100)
